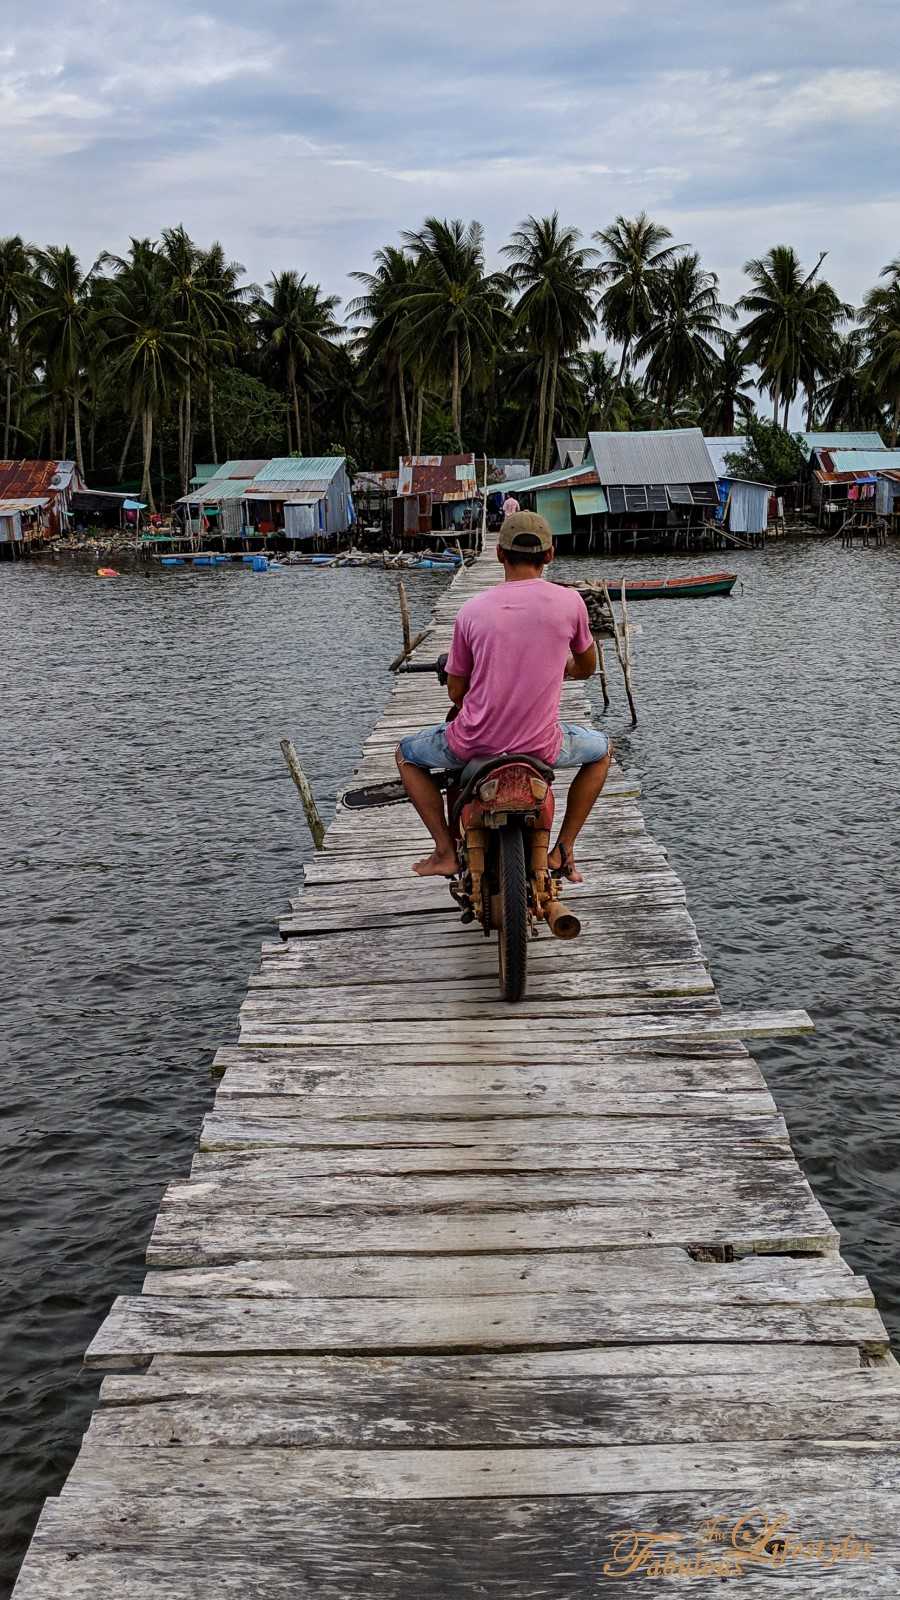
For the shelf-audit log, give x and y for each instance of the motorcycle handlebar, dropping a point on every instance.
(439, 666)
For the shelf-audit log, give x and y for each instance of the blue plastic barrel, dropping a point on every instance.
(260, 564)
(172, 561)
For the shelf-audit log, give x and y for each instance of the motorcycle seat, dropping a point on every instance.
(473, 772)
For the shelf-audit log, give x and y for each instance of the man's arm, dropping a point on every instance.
(582, 663)
(456, 687)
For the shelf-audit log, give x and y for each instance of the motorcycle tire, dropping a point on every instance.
(512, 934)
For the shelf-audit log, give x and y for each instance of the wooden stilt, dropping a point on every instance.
(316, 825)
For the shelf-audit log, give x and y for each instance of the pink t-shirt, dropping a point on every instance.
(512, 643)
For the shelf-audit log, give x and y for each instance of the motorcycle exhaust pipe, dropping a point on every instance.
(562, 922)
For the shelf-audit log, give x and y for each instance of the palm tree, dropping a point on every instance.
(61, 324)
(847, 390)
(637, 258)
(451, 311)
(15, 304)
(724, 394)
(148, 344)
(604, 403)
(791, 332)
(679, 346)
(208, 303)
(296, 329)
(381, 342)
(881, 318)
(556, 280)
(228, 330)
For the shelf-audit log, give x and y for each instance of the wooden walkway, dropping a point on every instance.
(458, 1295)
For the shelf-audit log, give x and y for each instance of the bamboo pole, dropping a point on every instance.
(601, 669)
(316, 825)
(404, 617)
(622, 643)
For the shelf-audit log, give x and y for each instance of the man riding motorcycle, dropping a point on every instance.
(512, 647)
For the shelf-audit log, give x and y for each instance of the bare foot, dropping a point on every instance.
(562, 861)
(440, 864)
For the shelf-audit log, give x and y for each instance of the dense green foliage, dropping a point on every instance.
(143, 364)
(771, 455)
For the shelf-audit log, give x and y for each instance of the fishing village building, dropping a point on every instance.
(35, 501)
(304, 498)
(434, 493)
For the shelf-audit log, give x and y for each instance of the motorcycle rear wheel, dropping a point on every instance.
(512, 934)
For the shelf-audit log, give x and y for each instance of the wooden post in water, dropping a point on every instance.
(316, 825)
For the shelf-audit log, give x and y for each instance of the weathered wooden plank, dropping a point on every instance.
(672, 1019)
(780, 1364)
(353, 1074)
(551, 1548)
(667, 1146)
(768, 1220)
(663, 978)
(285, 1192)
(660, 1277)
(782, 1466)
(567, 996)
(498, 1414)
(291, 1120)
(139, 1326)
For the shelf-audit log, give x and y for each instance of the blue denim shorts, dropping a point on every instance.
(429, 748)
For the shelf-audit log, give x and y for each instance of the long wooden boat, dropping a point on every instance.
(670, 588)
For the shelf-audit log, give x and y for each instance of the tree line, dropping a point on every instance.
(141, 364)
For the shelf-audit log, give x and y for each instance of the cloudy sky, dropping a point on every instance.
(306, 135)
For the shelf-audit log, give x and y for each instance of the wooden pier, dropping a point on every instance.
(469, 1300)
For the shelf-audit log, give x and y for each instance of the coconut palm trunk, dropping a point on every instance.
(8, 418)
(895, 421)
(295, 399)
(127, 445)
(187, 433)
(551, 412)
(76, 416)
(455, 395)
(404, 414)
(147, 425)
(212, 417)
(542, 412)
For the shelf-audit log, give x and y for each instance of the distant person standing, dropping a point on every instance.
(510, 506)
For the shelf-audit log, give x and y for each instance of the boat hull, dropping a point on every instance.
(676, 588)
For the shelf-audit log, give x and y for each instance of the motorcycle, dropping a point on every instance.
(500, 810)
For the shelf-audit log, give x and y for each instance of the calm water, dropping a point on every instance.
(151, 836)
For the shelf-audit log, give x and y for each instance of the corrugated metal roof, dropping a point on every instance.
(283, 489)
(299, 469)
(669, 455)
(443, 477)
(8, 508)
(570, 452)
(863, 460)
(721, 445)
(25, 479)
(836, 439)
(560, 478)
(215, 490)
